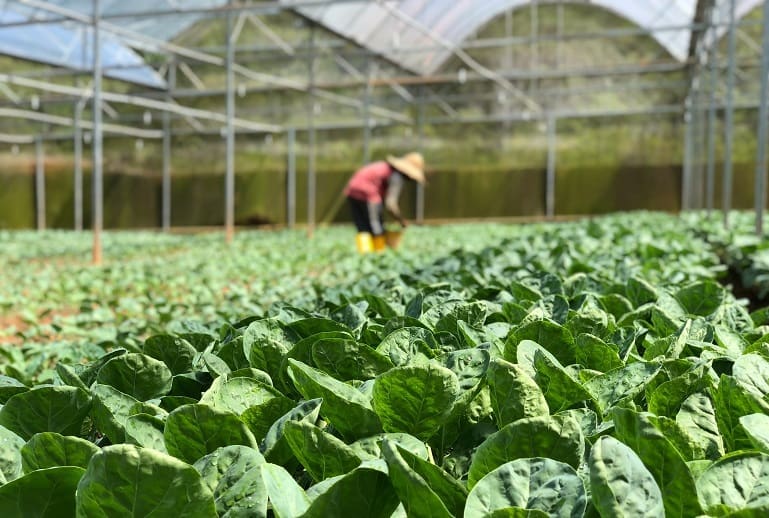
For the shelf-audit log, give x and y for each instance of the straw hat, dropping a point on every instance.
(412, 165)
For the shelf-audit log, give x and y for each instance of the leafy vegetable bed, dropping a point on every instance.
(587, 369)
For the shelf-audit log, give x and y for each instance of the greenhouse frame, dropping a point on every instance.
(400, 47)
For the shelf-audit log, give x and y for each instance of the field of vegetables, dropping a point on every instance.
(597, 368)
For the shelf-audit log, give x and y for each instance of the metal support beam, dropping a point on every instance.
(763, 113)
(686, 180)
(551, 155)
(98, 195)
(78, 165)
(366, 115)
(40, 183)
(712, 54)
(726, 204)
(229, 175)
(166, 180)
(311, 179)
(419, 213)
(291, 178)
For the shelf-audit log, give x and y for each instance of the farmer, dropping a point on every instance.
(375, 185)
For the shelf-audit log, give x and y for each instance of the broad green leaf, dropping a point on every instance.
(752, 372)
(193, 431)
(177, 353)
(561, 390)
(286, 496)
(111, 409)
(697, 418)
(640, 292)
(370, 448)
(344, 407)
(662, 460)
(46, 409)
(10, 387)
(702, 298)
(424, 488)
(259, 418)
(514, 395)
(415, 399)
(236, 395)
(756, 426)
(215, 366)
(536, 483)
(321, 454)
(556, 339)
(408, 343)
(45, 493)
(126, 480)
(554, 437)
(10, 455)
(346, 359)
(145, 430)
(619, 384)
(732, 401)
(362, 492)
(469, 365)
(274, 445)
(264, 344)
(233, 474)
(620, 483)
(593, 353)
(68, 375)
(50, 449)
(137, 375)
(666, 399)
(737, 482)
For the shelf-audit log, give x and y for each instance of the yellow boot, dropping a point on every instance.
(380, 243)
(364, 242)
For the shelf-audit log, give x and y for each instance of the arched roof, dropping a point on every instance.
(393, 28)
(396, 29)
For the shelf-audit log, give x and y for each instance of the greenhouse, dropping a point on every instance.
(384, 258)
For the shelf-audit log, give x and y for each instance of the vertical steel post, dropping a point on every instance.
(686, 179)
(166, 180)
(366, 115)
(712, 55)
(551, 155)
(726, 203)
(419, 212)
(40, 183)
(558, 33)
(98, 194)
(291, 178)
(229, 174)
(760, 179)
(311, 138)
(78, 165)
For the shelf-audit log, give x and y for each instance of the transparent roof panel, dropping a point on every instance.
(398, 28)
(72, 47)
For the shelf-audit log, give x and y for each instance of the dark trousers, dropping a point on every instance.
(367, 216)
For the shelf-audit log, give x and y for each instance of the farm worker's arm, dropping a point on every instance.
(394, 187)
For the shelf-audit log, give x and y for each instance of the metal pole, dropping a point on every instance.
(311, 138)
(166, 180)
(40, 183)
(98, 195)
(711, 168)
(419, 212)
(78, 176)
(551, 151)
(229, 175)
(366, 121)
(726, 204)
(760, 179)
(291, 180)
(686, 180)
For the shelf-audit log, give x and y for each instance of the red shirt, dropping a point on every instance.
(369, 183)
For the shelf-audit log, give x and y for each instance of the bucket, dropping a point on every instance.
(393, 238)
